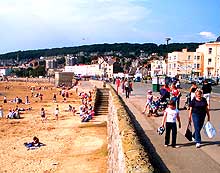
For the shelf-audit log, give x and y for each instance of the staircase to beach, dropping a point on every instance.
(102, 103)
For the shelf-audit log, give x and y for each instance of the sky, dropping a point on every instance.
(41, 24)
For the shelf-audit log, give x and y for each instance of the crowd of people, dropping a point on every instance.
(86, 109)
(199, 106)
(126, 86)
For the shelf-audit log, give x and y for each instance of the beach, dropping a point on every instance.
(69, 145)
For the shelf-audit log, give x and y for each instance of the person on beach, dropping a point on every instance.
(35, 142)
(27, 100)
(197, 113)
(43, 115)
(171, 114)
(54, 97)
(56, 112)
(5, 99)
(1, 111)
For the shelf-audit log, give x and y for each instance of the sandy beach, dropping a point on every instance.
(70, 146)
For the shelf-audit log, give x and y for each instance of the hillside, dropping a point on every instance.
(123, 48)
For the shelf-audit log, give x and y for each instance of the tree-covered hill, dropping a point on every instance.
(123, 48)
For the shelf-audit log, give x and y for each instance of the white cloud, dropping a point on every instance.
(207, 35)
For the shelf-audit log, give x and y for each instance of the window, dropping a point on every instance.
(195, 57)
(209, 61)
(198, 57)
(189, 57)
(194, 65)
(198, 66)
(210, 50)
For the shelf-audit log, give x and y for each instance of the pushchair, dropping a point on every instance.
(187, 102)
(161, 106)
(157, 107)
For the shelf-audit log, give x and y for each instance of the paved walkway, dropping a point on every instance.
(187, 158)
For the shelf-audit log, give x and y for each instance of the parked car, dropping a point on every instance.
(137, 79)
(211, 81)
(200, 80)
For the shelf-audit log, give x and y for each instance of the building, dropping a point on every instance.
(211, 59)
(71, 60)
(5, 71)
(51, 63)
(83, 70)
(184, 63)
(158, 67)
(101, 67)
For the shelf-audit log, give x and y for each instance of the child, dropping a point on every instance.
(170, 116)
(148, 102)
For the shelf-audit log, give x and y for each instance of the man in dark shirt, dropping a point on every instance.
(207, 89)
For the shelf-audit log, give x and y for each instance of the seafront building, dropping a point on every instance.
(101, 67)
(204, 62)
(211, 59)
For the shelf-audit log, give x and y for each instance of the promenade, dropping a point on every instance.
(187, 158)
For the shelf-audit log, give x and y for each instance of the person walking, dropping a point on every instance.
(117, 82)
(192, 90)
(165, 92)
(171, 114)
(175, 95)
(56, 112)
(207, 89)
(127, 88)
(197, 113)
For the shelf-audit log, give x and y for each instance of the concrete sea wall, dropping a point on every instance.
(126, 154)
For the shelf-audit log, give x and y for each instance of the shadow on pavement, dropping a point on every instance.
(203, 143)
(214, 109)
(155, 159)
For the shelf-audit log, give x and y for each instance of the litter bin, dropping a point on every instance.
(155, 84)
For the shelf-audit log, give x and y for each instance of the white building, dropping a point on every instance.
(83, 70)
(158, 67)
(5, 71)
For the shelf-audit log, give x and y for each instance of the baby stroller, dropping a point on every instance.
(161, 106)
(188, 99)
(152, 108)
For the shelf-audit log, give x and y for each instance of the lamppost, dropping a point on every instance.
(167, 40)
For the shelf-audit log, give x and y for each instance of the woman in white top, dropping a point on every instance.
(171, 114)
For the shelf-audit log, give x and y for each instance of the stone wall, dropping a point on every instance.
(126, 154)
(63, 78)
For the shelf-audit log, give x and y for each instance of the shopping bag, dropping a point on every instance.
(188, 133)
(209, 129)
